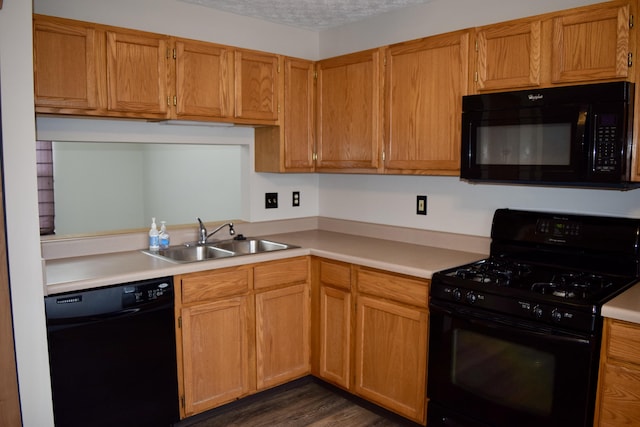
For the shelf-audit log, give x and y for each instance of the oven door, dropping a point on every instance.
(493, 371)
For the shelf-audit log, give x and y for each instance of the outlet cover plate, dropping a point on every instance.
(421, 205)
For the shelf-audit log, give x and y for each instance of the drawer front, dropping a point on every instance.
(284, 272)
(215, 284)
(624, 341)
(398, 288)
(335, 274)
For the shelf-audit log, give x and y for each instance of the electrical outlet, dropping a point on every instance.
(270, 200)
(295, 202)
(421, 205)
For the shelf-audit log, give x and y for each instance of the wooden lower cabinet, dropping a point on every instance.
(215, 353)
(240, 330)
(371, 331)
(334, 302)
(391, 342)
(618, 402)
(282, 335)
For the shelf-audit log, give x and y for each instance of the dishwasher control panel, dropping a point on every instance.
(144, 293)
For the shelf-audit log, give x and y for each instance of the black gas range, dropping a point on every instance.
(557, 269)
(515, 338)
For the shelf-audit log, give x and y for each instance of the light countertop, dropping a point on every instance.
(77, 273)
(625, 306)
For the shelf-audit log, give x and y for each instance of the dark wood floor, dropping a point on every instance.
(306, 402)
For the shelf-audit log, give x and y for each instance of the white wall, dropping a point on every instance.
(21, 210)
(456, 206)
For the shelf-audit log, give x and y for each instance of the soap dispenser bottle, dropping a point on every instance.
(164, 236)
(154, 236)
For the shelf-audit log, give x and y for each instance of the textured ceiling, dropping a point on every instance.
(313, 15)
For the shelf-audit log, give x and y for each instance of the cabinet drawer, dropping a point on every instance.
(215, 284)
(624, 341)
(335, 274)
(398, 288)
(285, 272)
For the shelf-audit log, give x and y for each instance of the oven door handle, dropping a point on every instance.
(510, 324)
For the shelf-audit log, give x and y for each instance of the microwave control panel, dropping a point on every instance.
(606, 155)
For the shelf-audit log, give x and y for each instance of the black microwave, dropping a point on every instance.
(576, 136)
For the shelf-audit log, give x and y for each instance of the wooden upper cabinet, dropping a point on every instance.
(349, 111)
(592, 45)
(68, 68)
(290, 146)
(508, 55)
(204, 80)
(586, 44)
(256, 85)
(137, 72)
(425, 82)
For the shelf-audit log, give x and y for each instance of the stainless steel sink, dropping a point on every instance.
(251, 246)
(222, 249)
(183, 254)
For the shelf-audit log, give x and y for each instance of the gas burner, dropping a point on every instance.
(555, 289)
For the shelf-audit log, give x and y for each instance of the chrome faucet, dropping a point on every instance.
(202, 231)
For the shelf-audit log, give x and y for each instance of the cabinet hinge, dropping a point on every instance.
(175, 100)
(168, 101)
(315, 75)
(278, 68)
(180, 322)
(477, 48)
(383, 156)
(174, 53)
(278, 108)
(475, 76)
(630, 59)
(630, 21)
(384, 61)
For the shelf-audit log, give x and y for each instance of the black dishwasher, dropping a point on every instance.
(112, 355)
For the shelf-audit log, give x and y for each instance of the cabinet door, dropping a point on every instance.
(391, 355)
(68, 67)
(349, 102)
(256, 85)
(508, 55)
(290, 146)
(282, 335)
(137, 73)
(204, 80)
(335, 335)
(592, 45)
(299, 128)
(619, 396)
(215, 346)
(426, 80)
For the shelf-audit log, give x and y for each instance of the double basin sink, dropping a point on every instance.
(217, 250)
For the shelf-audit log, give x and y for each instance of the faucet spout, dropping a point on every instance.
(202, 231)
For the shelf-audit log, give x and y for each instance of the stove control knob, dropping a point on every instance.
(471, 298)
(457, 295)
(556, 315)
(537, 312)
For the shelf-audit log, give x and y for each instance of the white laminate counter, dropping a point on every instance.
(73, 274)
(625, 306)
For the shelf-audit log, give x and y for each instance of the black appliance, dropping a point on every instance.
(112, 354)
(579, 136)
(514, 338)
